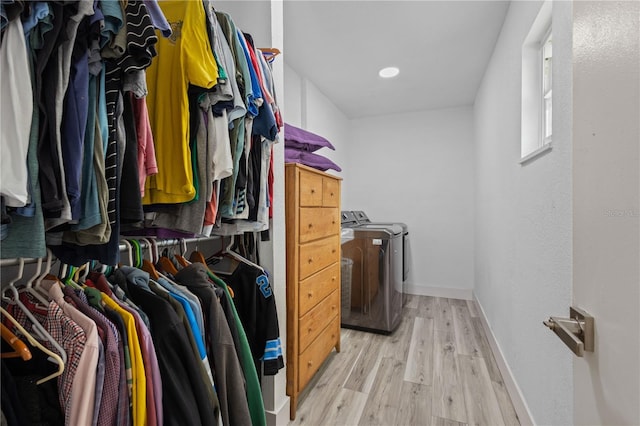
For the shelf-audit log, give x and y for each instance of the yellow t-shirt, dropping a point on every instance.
(184, 58)
(139, 386)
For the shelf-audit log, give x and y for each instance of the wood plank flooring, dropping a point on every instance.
(436, 369)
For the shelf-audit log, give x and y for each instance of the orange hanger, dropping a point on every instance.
(197, 257)
(167, 266)
(21, 350)
(147, 266)
(54, 357)
(269, 53)
(181, 260)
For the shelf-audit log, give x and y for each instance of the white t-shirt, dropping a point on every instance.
(16, 110)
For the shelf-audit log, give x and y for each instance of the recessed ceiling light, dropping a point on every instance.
(388, 72)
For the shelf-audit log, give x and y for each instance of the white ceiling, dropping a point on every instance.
(441, 47)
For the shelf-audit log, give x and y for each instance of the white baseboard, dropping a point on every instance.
(519, 403)
(280, 417)
(451, 293)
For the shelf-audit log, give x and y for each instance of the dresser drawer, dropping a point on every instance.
(317, 319)
(330, 192)
(310, 189)
(311, 359)
(317, 223)
(317, 287)
(318, 255)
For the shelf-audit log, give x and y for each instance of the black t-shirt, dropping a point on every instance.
(256, 308)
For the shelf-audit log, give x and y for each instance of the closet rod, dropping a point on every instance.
(123, 247)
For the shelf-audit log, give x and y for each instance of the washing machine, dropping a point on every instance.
(363, 219)
(371, 276)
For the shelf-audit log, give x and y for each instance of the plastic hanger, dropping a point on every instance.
(47, 270)
(80, 274)
(129, 251)
(21, 350)
(52, 355)
(156, 253)
(238, 257)
(180, 257)
(137, 253)
(37, 327)
(85, 273)
(70, 278)
(29, 284)
(197, 257)
(183, 246)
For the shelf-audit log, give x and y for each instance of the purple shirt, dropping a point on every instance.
(109, 401)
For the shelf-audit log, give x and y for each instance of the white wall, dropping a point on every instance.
(418, 168)
(308, 108)
(523, 219)
(293, 96)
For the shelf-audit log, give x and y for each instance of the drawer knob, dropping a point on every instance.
(332, 194)
(333, 278)
(311, 225)
(333, 250)
(310, 329)
(313, 191)
(310, 260)
(310, 294)
(333, 222)
(310, 363)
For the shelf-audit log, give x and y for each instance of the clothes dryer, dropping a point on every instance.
(362, 218)
(374, 258)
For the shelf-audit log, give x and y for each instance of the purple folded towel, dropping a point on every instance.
(310, 159)
(295, 137)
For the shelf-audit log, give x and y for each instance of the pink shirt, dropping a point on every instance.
(147, 165)
(84, 381)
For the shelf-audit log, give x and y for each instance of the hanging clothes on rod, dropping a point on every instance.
(99, 158)
(138, 321)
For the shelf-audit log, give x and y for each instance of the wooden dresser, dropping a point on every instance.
(313, 273)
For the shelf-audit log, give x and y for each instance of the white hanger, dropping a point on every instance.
(85, 273)
(129, 250)
(37, 286)
(54, 357)
(29, 284)
(155, 253)
(151, 254)
(183, 245)
(46, 272)
(39, 330)
(238, 257)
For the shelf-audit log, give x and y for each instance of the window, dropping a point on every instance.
(546, 59)
(537, 93)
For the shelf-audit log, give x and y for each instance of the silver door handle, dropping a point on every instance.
(577, 331)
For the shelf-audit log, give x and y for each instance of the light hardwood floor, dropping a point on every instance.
(435, 369)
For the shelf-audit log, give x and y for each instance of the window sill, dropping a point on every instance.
(535, 154)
